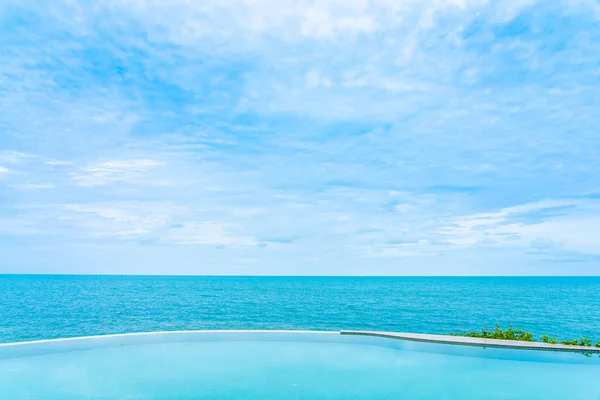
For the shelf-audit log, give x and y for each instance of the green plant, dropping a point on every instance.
(547, 339)
(570, 342)
(499, 333)
(521, 335)
(585, 342)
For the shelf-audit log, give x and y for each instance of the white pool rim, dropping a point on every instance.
(402, 340)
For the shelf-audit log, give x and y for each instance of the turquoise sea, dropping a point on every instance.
(52, 306)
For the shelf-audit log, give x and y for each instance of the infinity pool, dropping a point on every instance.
(286, 365)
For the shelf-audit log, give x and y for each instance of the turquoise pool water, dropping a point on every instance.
(259, 365)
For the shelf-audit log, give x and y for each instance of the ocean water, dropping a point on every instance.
(45, 307)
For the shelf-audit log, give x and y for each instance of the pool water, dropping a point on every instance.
(289, 366)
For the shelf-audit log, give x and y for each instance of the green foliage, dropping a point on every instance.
(547, 339)
(585, 342)
(499, 333)
(521, 335)
(570, 342)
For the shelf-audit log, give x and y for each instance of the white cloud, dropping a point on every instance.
(33, 186)
(57, 163)
(206, 233)
(415, 249)
(12, 156)
(579, 234)
(576, 228)
(384, 95)
(495, 218)
(3, 171)
(402, 208)
(123, 219)
(189, 21)
(164, 222)
(113, 171)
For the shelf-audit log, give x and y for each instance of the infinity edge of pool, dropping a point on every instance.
(41, 347)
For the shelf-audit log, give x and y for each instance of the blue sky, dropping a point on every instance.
(414, 137)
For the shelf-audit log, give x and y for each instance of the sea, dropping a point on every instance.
(34, 307)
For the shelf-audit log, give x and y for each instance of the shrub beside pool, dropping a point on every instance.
(521, 335)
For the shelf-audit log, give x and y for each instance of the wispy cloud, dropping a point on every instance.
(113, 171)
(312, 137)
(545, 226)
(144, 222)
(123, 219)
(57, 163)
(206, 233)
(33, 186)
(11, 156)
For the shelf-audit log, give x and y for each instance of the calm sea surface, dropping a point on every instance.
(44, 307)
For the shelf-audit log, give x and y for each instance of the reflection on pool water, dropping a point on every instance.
(283, 365)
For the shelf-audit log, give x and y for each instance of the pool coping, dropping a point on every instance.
(470, 341)
(158, 333)
(415, 337)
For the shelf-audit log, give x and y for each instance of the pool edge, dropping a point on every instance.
(160, 333)
(477, 342)
(414, 337)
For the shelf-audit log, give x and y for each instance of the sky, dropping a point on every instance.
(297, 137)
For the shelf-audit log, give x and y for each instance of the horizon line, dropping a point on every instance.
(300, 276)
